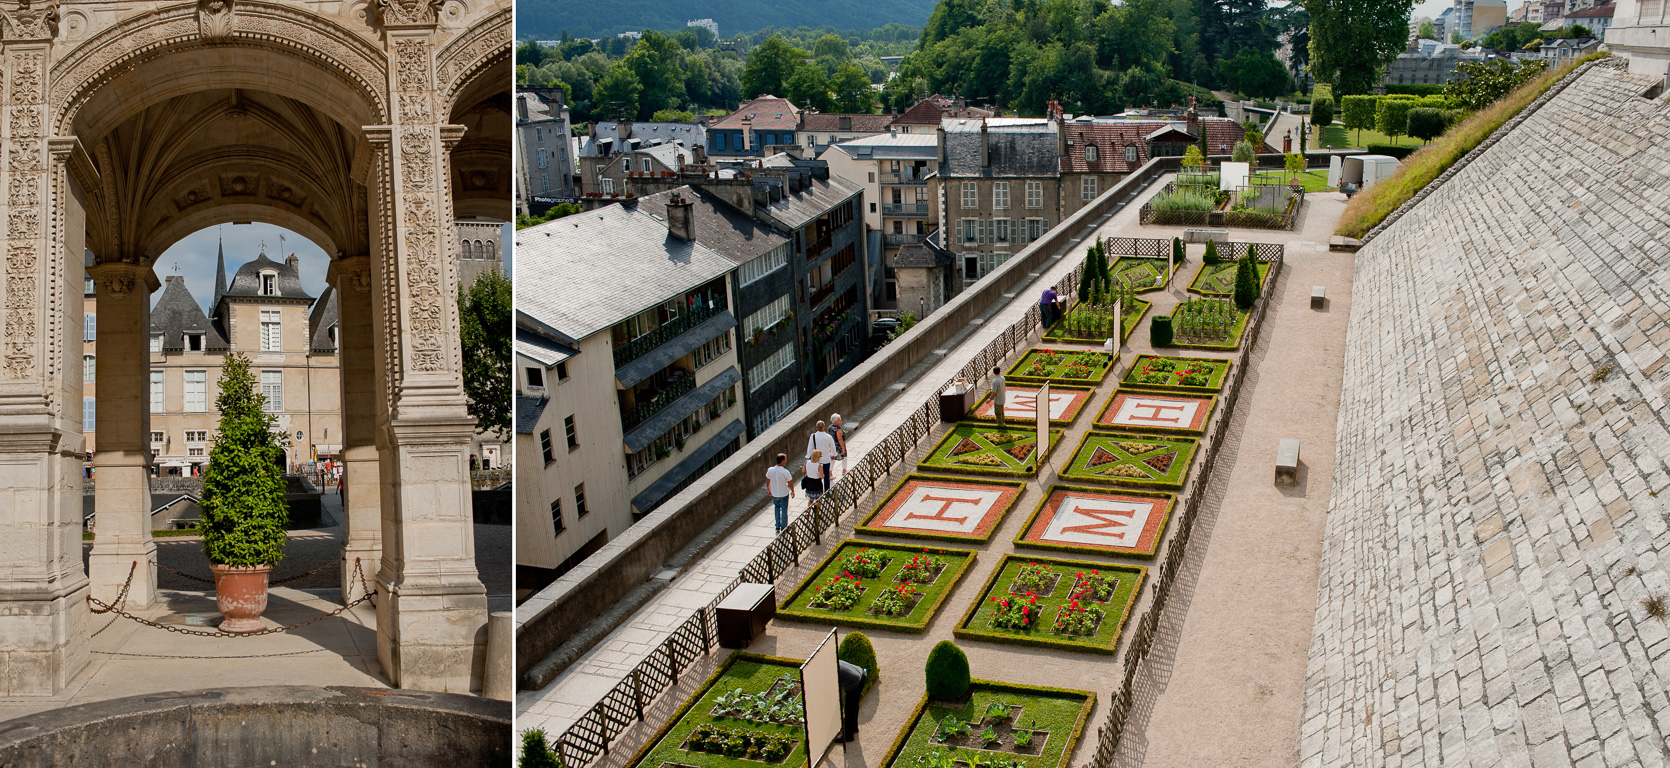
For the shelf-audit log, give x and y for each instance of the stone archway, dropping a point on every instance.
(126, 129)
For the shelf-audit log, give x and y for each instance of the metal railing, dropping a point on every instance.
(664, 333)
(668, 395)
(902, 239)
(904, 177)
(904, 209)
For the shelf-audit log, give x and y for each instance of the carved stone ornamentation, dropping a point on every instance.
(409, 13)
(21, 287)
(32, 20)
(118, 286)
(26, 78)
(357, 280)
(414, 108)
(22, 192)
(24, 223)
(24, 158)
(26, 122)
(411, 62)
(214, 19)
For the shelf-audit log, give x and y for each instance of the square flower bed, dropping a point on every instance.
(1021, 404)
(1098, 521)
(1066, 366)
(987, 449)
(1187, 374)
(1160, 412)
(1086, 324)
(1127, 458)
(1001, 725)
(1143, 275)
(1219, 279)
(878, 586)
(1071, 604)
(748, 714)
(950, 508)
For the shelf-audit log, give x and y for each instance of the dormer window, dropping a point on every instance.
(1130, 153)
(1090, 153)
(194, 342)
(269, 283)
(332, 332)
(156, 343)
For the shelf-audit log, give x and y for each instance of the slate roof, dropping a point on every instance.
(1596, 12)
(933, 109)
(720, 226)
(1018, 148)
(177, 313)
(770, 113)
(247, 281)
(831, 122)
(322, 318)
(820, 195)
(692, 134)
(528, 411)
(583, 273)
(901, 146)
(534, 105)
(920, 257)
(540, 349)
(667, 484)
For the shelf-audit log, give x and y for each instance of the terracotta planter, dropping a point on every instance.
(241, 596)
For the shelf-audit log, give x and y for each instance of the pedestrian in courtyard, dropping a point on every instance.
(999, 392)
(822, 441)
(780, 484)
(1046, 307)
(840, 434)
(813, 482)
(1109, 347)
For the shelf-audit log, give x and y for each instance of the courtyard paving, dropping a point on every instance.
(1248, 638)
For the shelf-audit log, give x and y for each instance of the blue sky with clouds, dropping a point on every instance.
(194, 257)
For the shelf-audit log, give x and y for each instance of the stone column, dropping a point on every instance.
(121, 461)
(432, 610)
(350, 277)
(43, 589)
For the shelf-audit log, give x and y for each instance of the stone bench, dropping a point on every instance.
(1287, 461)
(1318, 295)
(1203, 235)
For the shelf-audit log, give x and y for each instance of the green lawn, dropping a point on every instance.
(1219, 279)
(1084, 327)
(1068, 366)
(1336, 136)
(752, 675)
(1046, 588)
(1127, 458)
(944, 567)
(988, 449)
(1314, 181)
(1188, 374)
(1054, 717)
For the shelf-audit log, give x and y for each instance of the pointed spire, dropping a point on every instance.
(220, 272)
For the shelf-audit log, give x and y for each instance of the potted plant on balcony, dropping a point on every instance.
(243, 507)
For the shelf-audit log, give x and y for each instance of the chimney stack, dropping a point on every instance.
(681, 217)
(985, 145)
(747, 134)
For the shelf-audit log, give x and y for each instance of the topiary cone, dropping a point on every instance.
(947, 673)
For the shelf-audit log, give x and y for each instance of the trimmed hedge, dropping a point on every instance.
(947, 672)
(856, 649)
(1391, 150)
(1159, 331)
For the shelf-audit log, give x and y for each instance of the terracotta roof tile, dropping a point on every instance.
(770, 113)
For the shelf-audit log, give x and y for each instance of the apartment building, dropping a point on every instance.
(545, 163)
(894, 170)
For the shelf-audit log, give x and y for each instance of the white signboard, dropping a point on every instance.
(820, 687)
(1043, 427)
(1233, 175)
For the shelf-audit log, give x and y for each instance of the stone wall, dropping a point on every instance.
(1494, 544)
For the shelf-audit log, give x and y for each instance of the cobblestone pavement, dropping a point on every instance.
(901, 656)
(1498, 531)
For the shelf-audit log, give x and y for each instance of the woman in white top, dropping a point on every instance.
(813, 481)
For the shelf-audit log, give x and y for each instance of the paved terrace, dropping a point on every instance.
(1246, 597)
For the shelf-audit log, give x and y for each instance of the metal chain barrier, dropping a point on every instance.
(99, 606)
(270, 583)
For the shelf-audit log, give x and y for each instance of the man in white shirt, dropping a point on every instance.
(821, 440)
(780, 484)
(1000, 393)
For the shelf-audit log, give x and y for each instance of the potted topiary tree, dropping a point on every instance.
(243, 506)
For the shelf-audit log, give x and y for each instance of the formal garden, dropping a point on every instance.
(747, 714)
(988, 449)
(1159, 412)
(1021, 404)
(1069, 604)
(878, 586)
(1066, 366)
(1216, 277)
(998, 725)
(1188, 374)
(1101, 521)
(944, 508)
(1126, 458)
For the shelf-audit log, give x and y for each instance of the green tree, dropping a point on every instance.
(1391, 116)
(769, 67)
(673, 115)
(808, 88)
(1358, 112)
(556, 212)
(1211, 256)
(946, 672)
(1246, 281)
(243, 508)
(1479, 84)
(484, 329)
(655, 61)
(1294, 163)
(535, 752)
(1351, 40)
(852, 90)
(616, 97)
(1255, 73)
(530, 54)
(832, 47)
(1243, 152)
(1159, 331)
(1426, 123)
(856, 649)
(1427, 31)
(1322, 111)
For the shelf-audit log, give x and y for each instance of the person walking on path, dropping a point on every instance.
(999, 392)
(1108, 347)
(840, 434)
(1046, 307)
(780, 484)
(822, 441)
(814, 481)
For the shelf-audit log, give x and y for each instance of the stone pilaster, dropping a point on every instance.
(356, 345)
(432, 614)
(121, 461)
(43, 591)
